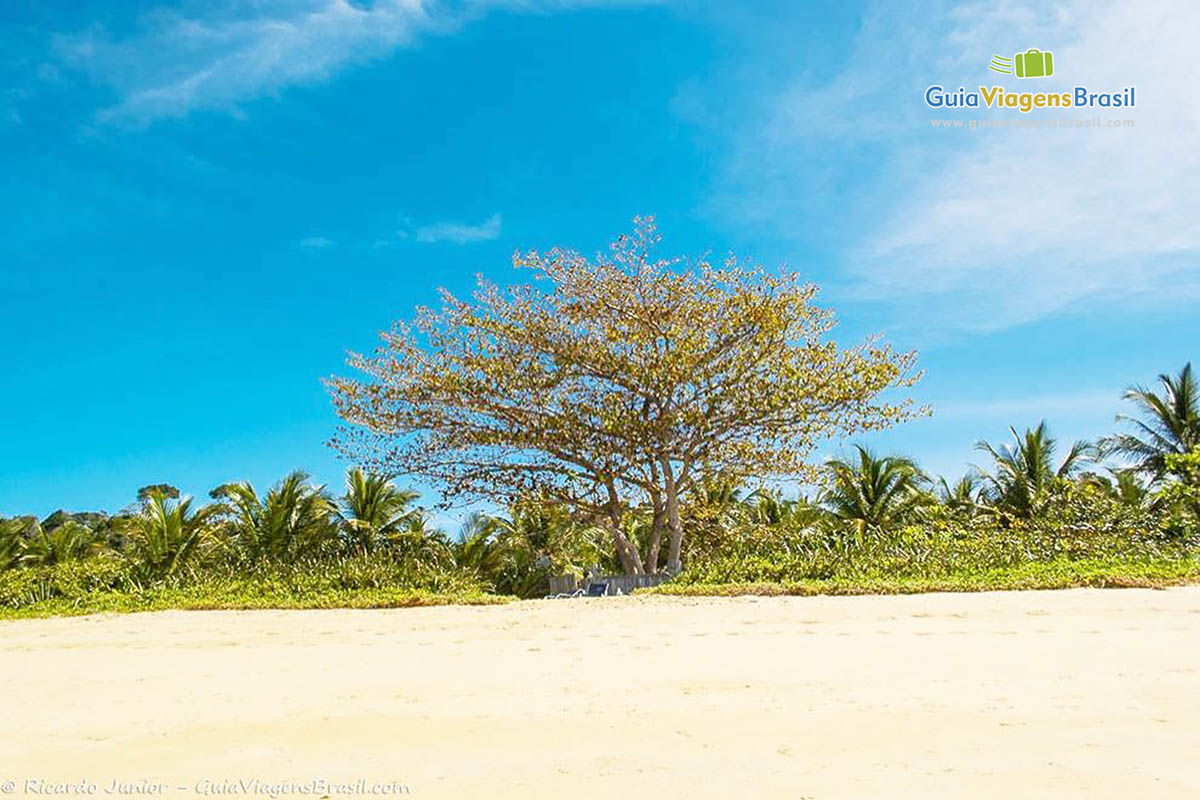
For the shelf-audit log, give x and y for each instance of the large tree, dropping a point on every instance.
(616, 382)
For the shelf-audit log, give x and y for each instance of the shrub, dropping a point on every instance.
(71, 580)
(1081, 525)
(314, 581)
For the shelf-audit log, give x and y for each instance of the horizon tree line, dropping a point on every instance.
(165, 534)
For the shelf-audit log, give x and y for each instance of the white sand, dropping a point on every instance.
(1035, 694)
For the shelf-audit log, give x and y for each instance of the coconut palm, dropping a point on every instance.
(1024, 472)
(540, 539)
(294, 519)
(166, 535)
(373, 510)
(12, 540)
(69, 541)
(769, 507)
(963, 497)
(547, 530)
(717, 505)
(1169, 424)
(479, 548)
(417, 541)
(871, 492)
(1122, 485)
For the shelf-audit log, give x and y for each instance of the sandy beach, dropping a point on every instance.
(1083, 693)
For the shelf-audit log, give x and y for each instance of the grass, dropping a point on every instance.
(1107, 573)
(1062, 574)
(109, 585)
(903, 565)
(202, 598)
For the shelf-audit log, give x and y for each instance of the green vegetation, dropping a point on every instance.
(295, 547)
(1099, 574)
(619, 409)
(108, 583)
(877, 524)
(1081, 523)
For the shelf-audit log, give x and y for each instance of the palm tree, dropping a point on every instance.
(964, 496)
(1122, 485)
(165, 535)
(539, 538)
(418, 542)
(720, 499)
(69, 541)
(479, 548)
(12, 540)
(716, 505)
(373, 510)
(875, 493)
(1025, 471)
(769, 507)
(294, 519)
(1169, 424)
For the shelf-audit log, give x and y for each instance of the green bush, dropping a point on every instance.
(70, 580)
(108, 580)
(296, 548)
(1080, 526)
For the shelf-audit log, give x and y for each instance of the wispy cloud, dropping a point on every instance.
(317, 243)
(1030, 222)
(236, 52)
(989, 228)
(459, 233)
(177, 64)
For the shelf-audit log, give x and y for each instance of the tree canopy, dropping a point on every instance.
(616, 382)
(1169, 424)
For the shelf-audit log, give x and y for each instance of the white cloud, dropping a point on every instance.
(317, 242)
(458, 233)
(989, 228)
(1029, 222)
(236, 52)
(177, 64)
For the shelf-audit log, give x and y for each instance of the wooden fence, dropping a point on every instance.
(617, 584)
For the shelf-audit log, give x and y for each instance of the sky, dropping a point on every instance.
(205, 205)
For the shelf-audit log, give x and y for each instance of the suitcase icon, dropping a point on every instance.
(1034, 63)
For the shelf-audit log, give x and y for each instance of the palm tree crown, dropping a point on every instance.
(1025, 470)
(69, 541)
(165, 535)
(294, 519)
(1169, 424)
(373, 510)
(12, 540)
(875, 492)
(963, 496)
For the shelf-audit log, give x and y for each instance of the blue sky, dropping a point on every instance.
(206, 204)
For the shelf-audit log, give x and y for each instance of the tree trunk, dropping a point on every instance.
(631, 560)
(675, 545)
(627, 553)
(656, 532)
(674, 526)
